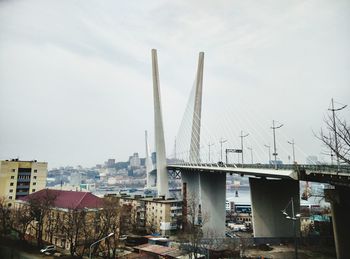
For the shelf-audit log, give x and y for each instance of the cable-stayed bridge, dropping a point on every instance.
(272, 185)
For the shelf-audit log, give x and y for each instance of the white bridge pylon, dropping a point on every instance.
(162, 173)
(209, 191)
(194, 154)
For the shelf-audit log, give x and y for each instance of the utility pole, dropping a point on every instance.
(294, 218)
(222, 141)
(209, 145)
(335, 131)
(330, 141)
(269, 147)
(274, 141)
(292, 143)
(251, 154)
(243, 136)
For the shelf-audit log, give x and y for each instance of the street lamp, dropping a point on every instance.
(222, 141)
(209, 145)
(274, 141)
(269, 147)
(294, 218)
(292, 143)
(333, 110)
(109, 235)
(251, 153)
(242, 136)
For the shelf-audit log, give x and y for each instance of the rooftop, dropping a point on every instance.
(66, 199)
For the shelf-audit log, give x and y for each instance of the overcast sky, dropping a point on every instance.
(76, 86)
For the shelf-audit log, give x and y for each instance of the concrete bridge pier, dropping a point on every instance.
(192, 195)
(269, 197)
(340, 205)
(213, 194)
(152, 179)
(206, 195)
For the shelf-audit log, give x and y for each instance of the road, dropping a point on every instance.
(16, 253)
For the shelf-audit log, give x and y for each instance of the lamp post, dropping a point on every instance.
(222, 141)
(274, 141)
(333, 110)
(269, 147)
(209, 145)
(294, 218)
(251, 154)
(109, 235)
(242, 136)
(292, 143)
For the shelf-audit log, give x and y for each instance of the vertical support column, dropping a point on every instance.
(269, 197)
(162, 174)
(197, 111)
(340, 205)
(213, 196)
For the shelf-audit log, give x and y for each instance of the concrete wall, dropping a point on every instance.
(269, 197)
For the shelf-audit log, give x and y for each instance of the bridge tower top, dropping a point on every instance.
(197, 113)
(162, 174)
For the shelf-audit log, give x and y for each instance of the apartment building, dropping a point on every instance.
(159, 215)
(164, 215)
(20, 178)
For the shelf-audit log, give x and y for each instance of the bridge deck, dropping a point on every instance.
(257, 172)
(313, 173)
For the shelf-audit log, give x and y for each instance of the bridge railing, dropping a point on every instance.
(295, 167)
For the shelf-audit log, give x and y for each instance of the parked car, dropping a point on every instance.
(48, 249)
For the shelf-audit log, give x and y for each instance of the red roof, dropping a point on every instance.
(67, 199)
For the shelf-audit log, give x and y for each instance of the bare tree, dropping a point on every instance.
(110, 223)
(39, 209)
(5, 217)
(98, 224)
(21, 216)
(73, 223)
(192, 234)
(336, 137)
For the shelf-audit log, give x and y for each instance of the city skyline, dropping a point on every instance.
(76, 84)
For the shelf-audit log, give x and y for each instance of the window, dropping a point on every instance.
(34, 177)
(10, 204)
(11, 184)
(34, 183)
(33, 190)
(13, 170)
(12, 177)
(11, 190)
(35, 170)
(10, 197)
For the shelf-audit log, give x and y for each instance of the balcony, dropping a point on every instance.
(22, 193)
(24, 173)
(179, 214)
(176, 207)
(23, 180)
